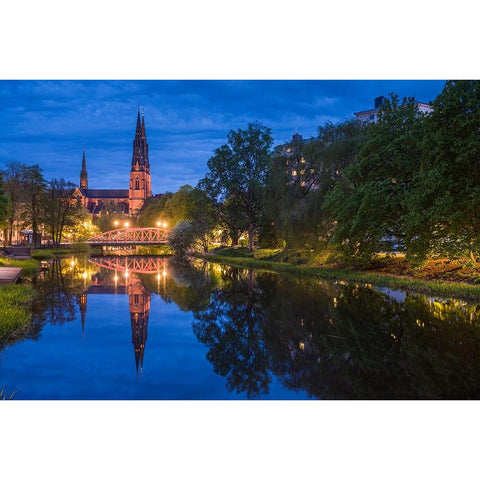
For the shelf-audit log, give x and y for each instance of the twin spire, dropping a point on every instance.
(140, 160)
(83, 173)
(140, 146)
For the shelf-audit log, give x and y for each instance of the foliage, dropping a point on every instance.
(4, 206)
(237, 172)
(444, 207)
(33, 188)
(62, 208)
(369, 205)
(153, 211)
(303, 173)
(188, 236)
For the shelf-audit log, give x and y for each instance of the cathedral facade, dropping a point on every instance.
(130, 201)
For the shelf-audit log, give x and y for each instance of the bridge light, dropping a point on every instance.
(85, 274)
(164, 224)
(115, 223)
(159, 224)
(127, 224)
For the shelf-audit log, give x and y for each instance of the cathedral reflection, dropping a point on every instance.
(139, 306)
(118, 282)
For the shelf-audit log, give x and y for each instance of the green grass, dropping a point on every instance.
(446, 289)
(30, 266)
(75, 249)
(15, 311)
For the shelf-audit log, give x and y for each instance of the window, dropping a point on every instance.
(137, 184)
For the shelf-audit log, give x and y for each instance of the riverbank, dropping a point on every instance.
(16, 311)
(440, 277)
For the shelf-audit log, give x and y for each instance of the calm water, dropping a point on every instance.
(147, 328)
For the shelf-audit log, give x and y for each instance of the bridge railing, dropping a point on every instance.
(131, 236)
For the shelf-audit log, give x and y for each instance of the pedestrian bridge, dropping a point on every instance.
(131, 237)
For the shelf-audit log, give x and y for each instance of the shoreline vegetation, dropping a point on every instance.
(440, 277)
(16, 307)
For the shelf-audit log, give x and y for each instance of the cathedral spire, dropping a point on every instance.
(83, 173)
(138, 130)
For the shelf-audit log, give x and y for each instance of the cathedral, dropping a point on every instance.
(131, 200)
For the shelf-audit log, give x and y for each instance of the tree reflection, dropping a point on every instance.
(231, 326)
(336, 341)
(356, 343)
(59, 290)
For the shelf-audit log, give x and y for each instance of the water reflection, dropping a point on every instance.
(330, 340)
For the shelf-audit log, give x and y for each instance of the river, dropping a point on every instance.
(150, 328)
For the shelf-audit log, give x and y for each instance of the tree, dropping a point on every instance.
(33, 185)
(444, 216)
(12, 180)
(237, 172)
(193, 214)
(153, 210)
(370, 204)
(302, 175)
(4, 207)
(61, 207)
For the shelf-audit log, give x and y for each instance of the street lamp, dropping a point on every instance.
(127, 224)
(164, 225)
(115, 223)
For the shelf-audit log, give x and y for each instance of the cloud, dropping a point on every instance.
(46, 122)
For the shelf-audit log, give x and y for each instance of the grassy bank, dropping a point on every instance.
(75, 249)
(30, 266)
(267, 260)
(15, 311)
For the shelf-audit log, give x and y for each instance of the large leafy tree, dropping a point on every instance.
(33, 185)
(4, 207)
(237, 172)
(192, 213)
(445, 207)
(370, 204)
(12, 185)
(62, 208)
(302, 174)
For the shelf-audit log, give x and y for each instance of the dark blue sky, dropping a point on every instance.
(46, 122)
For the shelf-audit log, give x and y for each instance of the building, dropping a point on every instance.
(372, 115)
(130, 200)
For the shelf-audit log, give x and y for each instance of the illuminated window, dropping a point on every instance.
(294, 173)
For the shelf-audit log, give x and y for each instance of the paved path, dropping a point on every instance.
(9, 274)
(18, 251)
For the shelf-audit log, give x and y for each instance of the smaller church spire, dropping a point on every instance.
(83, 173)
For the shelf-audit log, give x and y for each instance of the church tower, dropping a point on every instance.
(83, 173)
(140, 182)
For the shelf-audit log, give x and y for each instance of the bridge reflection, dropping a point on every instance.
(123, 278)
